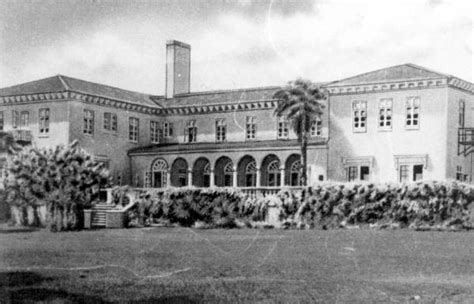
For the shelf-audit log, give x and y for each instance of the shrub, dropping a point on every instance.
(325, 206)
(64, 179)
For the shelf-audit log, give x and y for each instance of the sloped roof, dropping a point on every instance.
(220, 97)
(60, 83)
(45, 85)
(406, 71)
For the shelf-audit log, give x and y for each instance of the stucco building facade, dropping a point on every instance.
(398, 124)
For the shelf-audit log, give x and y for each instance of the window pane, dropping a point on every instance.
(417, 172)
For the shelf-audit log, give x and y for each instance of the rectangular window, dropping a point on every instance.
(2, 123)
(462, 113)
(282, 128)
(385, 114)
(190, 131)
(403, 171)
(44, 121)
(351, 173)
(250, 127)
(317, 128)
(412, 113)
(155, 132)
(110, 122)
(24, 119)
(88, 122)
(417, 173)
(168, 129)
(359, 115)
(15, 119)
(221, 129)
(459, 174)
(133, 125)
(364, 173)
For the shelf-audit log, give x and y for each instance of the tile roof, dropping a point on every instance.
(46, 85)
(220, 97)
(92, 88)
(406, 71)
(60, 83)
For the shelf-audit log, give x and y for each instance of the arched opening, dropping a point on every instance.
(202, 173)
(179, 173)
(224, 172)
(293, 170)
(159, 169)
(271, 174)
(247, 172)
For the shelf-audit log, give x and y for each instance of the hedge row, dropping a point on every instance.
(421, 205)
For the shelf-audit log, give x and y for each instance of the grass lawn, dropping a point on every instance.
(179, 265)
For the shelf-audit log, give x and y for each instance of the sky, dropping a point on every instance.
(234, 44)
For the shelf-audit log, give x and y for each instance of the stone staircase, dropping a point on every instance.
(99, 215)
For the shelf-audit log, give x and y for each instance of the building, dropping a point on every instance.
(398, 124)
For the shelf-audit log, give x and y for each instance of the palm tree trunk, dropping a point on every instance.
(304, 146)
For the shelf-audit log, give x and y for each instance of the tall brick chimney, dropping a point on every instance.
(178, 68)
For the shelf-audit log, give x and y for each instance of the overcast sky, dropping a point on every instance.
(234, 43)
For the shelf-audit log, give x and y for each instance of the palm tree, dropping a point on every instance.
(300, 103)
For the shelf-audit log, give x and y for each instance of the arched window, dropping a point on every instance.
(295, 173)
(251, 174)
(274, 176)
(158, 173)
(228, 174)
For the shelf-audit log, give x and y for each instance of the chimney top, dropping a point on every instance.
(178, 43)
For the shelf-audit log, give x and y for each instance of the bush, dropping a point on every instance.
(65, 179)
(332, 205)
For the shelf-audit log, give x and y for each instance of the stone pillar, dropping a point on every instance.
(110, 198)
(190, 178)
(282, 176)
(211, 178)
(234, 177)
(257, 184)
(168, 179)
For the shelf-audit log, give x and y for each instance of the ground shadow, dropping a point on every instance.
(22, 278)
(18, 230)
(29, 295)
(184, 299)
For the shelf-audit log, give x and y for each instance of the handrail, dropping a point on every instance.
(252, 191)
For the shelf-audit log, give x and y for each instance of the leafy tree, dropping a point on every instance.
(8, 144)
(300, 103)
(64, 179)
